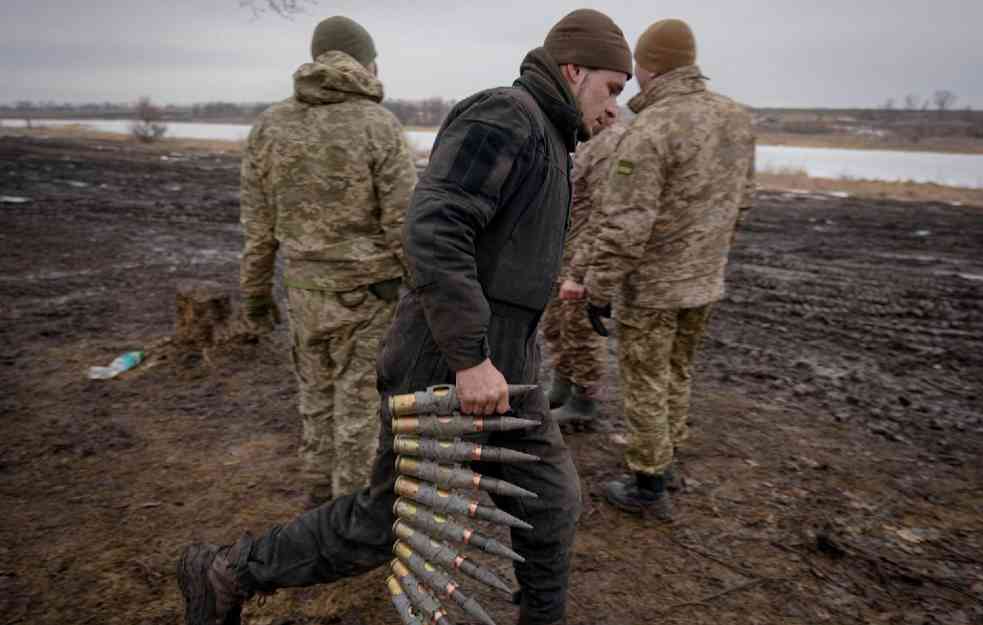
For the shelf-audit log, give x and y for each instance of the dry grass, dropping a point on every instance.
(950, 145)
(875, 189)
(165, 144)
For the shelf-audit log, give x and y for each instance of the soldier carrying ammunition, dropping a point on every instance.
(326, 180)
(483, 245)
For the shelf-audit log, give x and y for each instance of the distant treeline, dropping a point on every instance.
(428, 112)
(914, 123)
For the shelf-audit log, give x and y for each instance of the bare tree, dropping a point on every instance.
(283, 8)
(943, 99)
(148, 126)
(912, 102)
(26, 110)
(888, 104)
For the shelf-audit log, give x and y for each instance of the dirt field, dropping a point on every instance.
(834, 475)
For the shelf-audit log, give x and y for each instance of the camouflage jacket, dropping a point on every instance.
(681, 175)
(326, 179)
(590, 175)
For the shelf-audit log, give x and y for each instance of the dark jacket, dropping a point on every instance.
(485, 229)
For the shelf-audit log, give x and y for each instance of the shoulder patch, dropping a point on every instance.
(625, 168)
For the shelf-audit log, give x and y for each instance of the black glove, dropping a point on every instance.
(596, 314)
(261, 311)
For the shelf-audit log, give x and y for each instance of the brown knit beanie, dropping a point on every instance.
(666, 45)
(344, 35)
(590, 39)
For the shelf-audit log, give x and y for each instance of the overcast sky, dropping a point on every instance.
(837, 53)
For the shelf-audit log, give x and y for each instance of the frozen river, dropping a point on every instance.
(956, 170)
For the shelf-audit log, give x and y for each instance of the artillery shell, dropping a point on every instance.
(457, 451)
(401, 602)
(442, 527)
(449, 503)
(451, 426)
(437, 579)
(439, 400)
(457, 477)
(446, 556)
(419, 597)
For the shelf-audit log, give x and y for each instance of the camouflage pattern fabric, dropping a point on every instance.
(326, 180)
(681, 175)
(656, 353)
(591, 167)
(335, 338)
(578, 353)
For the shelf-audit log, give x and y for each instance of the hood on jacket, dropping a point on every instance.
(680, 81)
(335, 77)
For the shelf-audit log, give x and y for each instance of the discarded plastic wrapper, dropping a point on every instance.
(121, 363)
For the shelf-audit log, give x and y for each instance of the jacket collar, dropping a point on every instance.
(680, 81)
(540, 76)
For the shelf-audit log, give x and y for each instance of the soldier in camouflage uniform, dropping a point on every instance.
(326, 180)
(578, 353)
(682, 175)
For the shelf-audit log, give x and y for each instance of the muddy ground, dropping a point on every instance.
(833, 475)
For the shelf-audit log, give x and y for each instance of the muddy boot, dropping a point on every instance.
(579, 408)
(641, 493)
(212, 595)
(560, 391)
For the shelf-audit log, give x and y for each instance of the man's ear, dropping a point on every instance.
(574, 74)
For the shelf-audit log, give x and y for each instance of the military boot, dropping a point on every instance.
(580, 407)
(212, 594)
(642, 493)
(559, 391)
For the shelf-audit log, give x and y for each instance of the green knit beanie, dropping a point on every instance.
(344, 35)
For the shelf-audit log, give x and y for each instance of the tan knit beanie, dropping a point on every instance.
(590, 39)
(344, 35)
(666, 45)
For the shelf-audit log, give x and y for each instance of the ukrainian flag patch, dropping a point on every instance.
(625, 168)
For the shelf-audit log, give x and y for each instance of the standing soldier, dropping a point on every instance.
(484, 239)
(682, 175)
(578, 353)
(326, 179)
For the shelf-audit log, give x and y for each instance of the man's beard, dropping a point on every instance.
(588, 124)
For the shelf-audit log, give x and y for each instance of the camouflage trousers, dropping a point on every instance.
(578, 353)
(335, 338)
(656, 350)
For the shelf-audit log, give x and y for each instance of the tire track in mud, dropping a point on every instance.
(872, 323)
